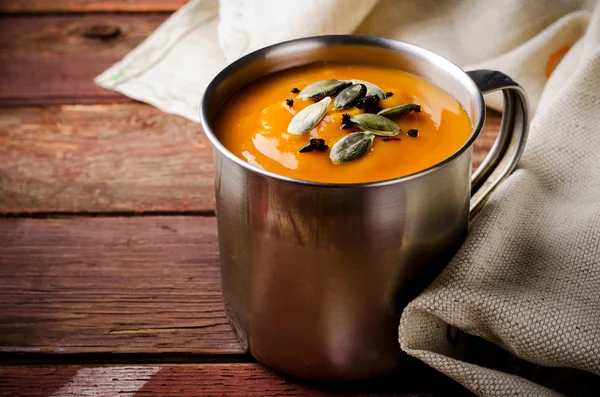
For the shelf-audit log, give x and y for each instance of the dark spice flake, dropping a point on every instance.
(391, 138)
(370, 104)
(289, 102)
(295, 90)
(389, 94)
(346, 122)
(412, 133)
(317, 144)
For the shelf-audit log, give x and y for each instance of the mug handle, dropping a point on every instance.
(508, 147)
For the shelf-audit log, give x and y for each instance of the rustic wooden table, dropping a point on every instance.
(109, 277)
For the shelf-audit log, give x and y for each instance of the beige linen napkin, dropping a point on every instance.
(525, 287)
(528, 276)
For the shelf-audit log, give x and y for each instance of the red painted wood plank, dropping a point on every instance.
(102, 158)
(54, 59)
(43, 6)
(112, 285)
(209, 380)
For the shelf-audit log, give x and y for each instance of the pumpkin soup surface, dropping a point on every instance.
(253, 125)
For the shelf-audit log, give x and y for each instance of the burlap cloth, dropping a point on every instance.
(523, 294)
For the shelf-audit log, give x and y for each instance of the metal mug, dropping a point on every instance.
(315, 275)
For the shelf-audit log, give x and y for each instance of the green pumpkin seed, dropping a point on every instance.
(320, 89)
(351, 147)
(400, 109)
(349, 96)
(306, 119)
(372, 89)
(375, 124)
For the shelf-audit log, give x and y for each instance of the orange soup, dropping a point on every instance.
(254, 124)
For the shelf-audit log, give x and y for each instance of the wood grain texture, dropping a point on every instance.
(486, 139)
(243, 380)
(129, 285)
(54, 59)
(102, 158)
(44, 6)
(107, 158)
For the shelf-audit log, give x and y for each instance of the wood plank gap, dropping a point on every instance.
(113, 214)
(69, 359)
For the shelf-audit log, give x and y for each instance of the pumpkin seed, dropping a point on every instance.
(372, 89)
(375, 124)
(320, 89)
(306, 119)
(400, 109)
(351, 147)
(349, 96)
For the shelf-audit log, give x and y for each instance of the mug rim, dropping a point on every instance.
(342, 39)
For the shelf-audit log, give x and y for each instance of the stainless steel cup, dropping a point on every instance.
(315, 275)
